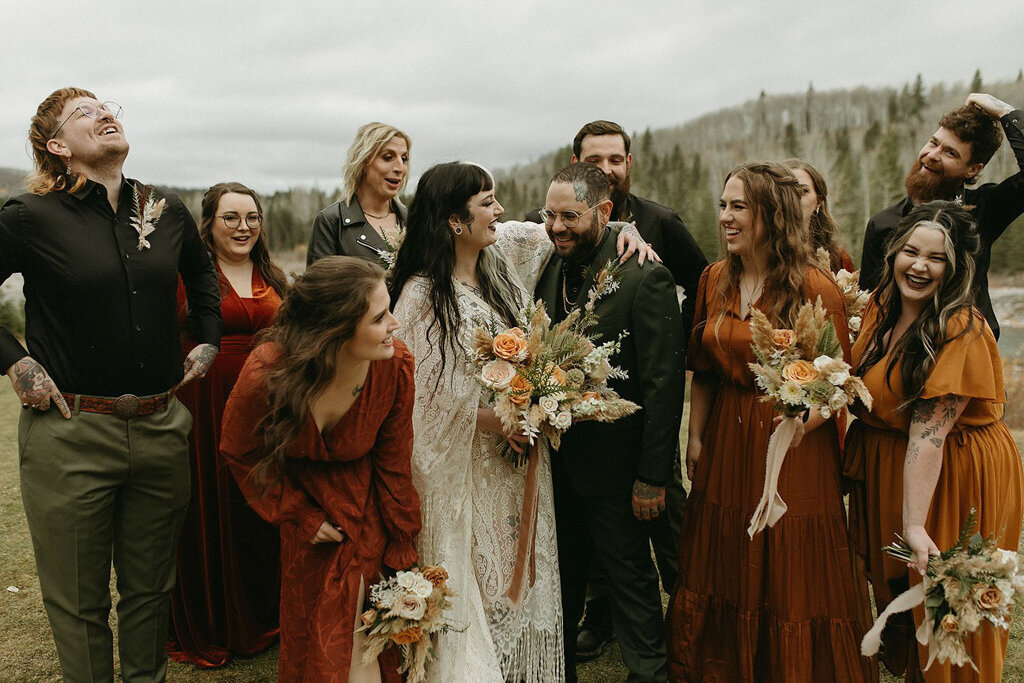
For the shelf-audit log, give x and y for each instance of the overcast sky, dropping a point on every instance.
(271, 93)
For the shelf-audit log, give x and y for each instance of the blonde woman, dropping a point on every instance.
(369, 218)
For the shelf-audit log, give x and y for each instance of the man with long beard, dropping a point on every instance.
(951, 160)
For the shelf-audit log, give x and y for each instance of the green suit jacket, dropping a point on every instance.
(606, 458)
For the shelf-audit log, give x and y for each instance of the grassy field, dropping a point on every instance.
(29, 654)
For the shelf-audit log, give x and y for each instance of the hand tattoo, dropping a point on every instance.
(643, 491)
(31, 382)
(204, 359)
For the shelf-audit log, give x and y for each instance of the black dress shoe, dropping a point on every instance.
(595, 634)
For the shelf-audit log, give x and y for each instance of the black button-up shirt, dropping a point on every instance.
(101, 315)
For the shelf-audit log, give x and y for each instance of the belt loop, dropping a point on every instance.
(76, 409)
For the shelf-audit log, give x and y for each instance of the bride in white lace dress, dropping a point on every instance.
(457, 266)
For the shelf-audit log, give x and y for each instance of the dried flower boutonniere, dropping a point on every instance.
(147, 212)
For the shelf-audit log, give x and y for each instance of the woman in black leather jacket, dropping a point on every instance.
(369, 220)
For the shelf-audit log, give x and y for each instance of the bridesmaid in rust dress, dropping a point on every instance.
(933, 446)
(318, 433)
(225, 601)
(782, 606)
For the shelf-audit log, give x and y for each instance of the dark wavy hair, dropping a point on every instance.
(599, 127)
(773, 194)
(918, 348)
(973, 126)
(428, 250)
(319, 314)
(260, 254)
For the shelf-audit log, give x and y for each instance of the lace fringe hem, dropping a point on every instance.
(535, 657)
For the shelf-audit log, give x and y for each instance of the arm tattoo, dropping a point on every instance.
(942, 409)
(996, 102)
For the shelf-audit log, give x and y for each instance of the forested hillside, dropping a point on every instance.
(863, 141)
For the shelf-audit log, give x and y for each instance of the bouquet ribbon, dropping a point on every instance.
(771, 507)
(907, 600)
(525, 551)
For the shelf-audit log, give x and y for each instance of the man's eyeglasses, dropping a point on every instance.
(232, 220)
(570, 219)
(92, 111)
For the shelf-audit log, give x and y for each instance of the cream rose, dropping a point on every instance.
(800, 371)
(510, 345)
(548, 404)
(497, 374)
(563, 420)
(601, 371)
(410, 607)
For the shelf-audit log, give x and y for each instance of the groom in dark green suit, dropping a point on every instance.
(609, 478)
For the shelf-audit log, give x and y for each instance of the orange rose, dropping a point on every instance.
(800, 371)
(587, 395)
(368, 617)
(949, 623)
(435, 575)
(408, 636)
(520, 384)
(510, 345)
(517, 332)
(989, 597)
(783, 338)
(557, 374)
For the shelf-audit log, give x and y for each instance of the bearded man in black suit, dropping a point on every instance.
(610, 478)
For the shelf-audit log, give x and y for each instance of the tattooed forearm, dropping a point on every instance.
(999, 104)
(913, 452)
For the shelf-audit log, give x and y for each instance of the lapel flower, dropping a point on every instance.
(147, 212)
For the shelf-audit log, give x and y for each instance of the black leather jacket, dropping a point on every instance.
(341, 230)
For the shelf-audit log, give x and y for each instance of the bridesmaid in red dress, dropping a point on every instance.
(225, 601)
(318, 433)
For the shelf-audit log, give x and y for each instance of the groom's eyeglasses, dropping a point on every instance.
(570, 219)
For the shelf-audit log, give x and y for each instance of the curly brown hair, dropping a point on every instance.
(978, 129)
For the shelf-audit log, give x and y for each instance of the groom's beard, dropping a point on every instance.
(923, 186)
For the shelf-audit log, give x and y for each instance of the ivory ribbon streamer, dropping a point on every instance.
(906, 600)
(771, 507)
(525, 551)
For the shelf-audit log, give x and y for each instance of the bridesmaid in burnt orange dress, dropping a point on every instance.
(225, 600)
(318, 433)
(782, 606)
(933, 445)
(817, 218)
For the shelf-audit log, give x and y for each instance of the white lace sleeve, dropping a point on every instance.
(527, 248)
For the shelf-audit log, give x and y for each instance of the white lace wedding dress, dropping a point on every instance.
(472, 498)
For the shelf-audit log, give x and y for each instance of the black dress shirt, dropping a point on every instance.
(995, 207)
(101, 315)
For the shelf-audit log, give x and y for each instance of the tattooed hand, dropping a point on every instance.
(648, 501)
(630, 241)
(34, 387)
(198, 363)
(992, 106)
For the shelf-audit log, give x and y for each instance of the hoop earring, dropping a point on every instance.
(458, 230)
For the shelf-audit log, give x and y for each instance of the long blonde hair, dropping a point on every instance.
(773, 194)
(370, 140)
(52, 172)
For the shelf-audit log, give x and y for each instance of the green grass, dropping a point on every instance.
(30, 655)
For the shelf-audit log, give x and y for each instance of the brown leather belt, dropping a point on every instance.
(124, 407)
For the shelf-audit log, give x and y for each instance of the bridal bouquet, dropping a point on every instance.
(406, 611)
(798, 370)
(971, 583)
(543, 378)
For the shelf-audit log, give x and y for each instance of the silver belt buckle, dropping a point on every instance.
(126, 406)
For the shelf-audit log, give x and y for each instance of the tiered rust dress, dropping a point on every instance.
(783, 606)
(225, 599)
(358, 476)
(981, 468)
